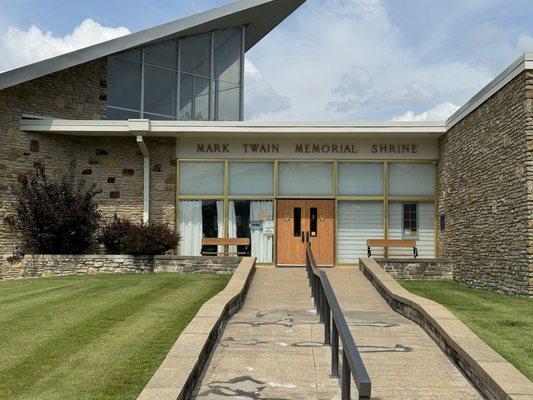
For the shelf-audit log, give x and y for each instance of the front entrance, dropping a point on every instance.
(305, 221)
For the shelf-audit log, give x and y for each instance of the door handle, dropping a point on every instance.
(303, 240)
(307, 236)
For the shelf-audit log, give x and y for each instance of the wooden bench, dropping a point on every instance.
(226, 242)
(386, 243)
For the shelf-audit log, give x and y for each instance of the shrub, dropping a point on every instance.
(55, 217)
(125, 237)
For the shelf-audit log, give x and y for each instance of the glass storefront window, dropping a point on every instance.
(305, 179)
(406, 179)
(201, 178)
(254, 220)
(251, 179)
(200, 219)
(360, 179)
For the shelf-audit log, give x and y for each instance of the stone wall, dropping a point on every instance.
(32, 266)
(483, 182)
(114, 164)
(425, 269)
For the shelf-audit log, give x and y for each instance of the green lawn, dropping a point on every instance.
(93, 337)
(504, 322)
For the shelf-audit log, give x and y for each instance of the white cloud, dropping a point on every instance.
(19, 47)
(262, 100)
(438, 113)
(347, 59)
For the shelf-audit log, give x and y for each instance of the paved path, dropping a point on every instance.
(272, 348)
(402, 360)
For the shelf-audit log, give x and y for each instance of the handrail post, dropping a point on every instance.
(327, 323)
(334, 351)
(346, 377)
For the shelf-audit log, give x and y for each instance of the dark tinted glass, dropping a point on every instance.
(120, 115)
(123, 84)
(160, 87)
(297, 218)
(195, 54)
(227, 52)
(162, 54)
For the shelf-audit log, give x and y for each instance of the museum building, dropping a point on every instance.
(155, 119)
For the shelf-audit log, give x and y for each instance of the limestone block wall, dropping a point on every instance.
(424, 269)
(114, 164)
(33, 266)
(484, 184)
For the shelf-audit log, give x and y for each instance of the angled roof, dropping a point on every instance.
(259, 16)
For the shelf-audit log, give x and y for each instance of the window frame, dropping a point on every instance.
(417, 220)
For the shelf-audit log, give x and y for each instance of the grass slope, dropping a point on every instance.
(93, 337)
(505, 323)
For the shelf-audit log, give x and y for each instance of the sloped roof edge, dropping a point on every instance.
(260, 17)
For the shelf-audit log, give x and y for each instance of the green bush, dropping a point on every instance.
(125, 237)
(55, 217)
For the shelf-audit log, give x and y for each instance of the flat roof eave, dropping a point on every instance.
(149, 128)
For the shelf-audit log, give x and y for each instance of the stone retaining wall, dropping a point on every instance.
(494, 376)
(63, 265)
(425, 269)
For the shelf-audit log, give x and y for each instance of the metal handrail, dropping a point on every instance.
(335, 326)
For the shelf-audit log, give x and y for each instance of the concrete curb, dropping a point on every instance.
(495, 378)
(178, 374)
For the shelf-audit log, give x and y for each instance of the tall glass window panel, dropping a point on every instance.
(251, 179)
(228, 101)
(360, 179)
(160, 86)
(254, 220)
(357, 222)
(201, 178)
(195, 54)
(194, 98)
(306, 179)
(162, 55)
(411, 179)
(123, 84)
(227, 52)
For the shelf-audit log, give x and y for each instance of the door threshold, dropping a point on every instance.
(290, 265)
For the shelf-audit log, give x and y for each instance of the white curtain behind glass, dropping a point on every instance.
(191, 228)
(232, 225)
(220, 222)
(261, 244)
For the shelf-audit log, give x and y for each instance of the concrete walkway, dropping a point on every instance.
(402, 360)
(272, 348)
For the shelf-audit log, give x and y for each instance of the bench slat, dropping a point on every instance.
(391, 243)
(225, 242)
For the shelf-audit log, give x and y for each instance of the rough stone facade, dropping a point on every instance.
(486, 192)
(424, 269)
(33, 266)
(114, 164)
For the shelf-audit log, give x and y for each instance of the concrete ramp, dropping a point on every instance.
(402, 360)
(273, 348)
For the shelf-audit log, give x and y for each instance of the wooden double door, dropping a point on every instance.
(305, 221)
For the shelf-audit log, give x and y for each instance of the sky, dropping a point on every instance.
(345, 60)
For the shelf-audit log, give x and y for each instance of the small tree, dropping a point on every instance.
(55, 217)
(124, 237)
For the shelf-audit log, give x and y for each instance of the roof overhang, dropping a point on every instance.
(259, 17)
(521, 64)
(175, 129)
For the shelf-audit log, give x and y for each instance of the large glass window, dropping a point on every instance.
(251, 179)
(305, 179)
(194, 78)
(201, 178)
(411, 179)
(360, 179)
(254, 220)
(200, 219)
